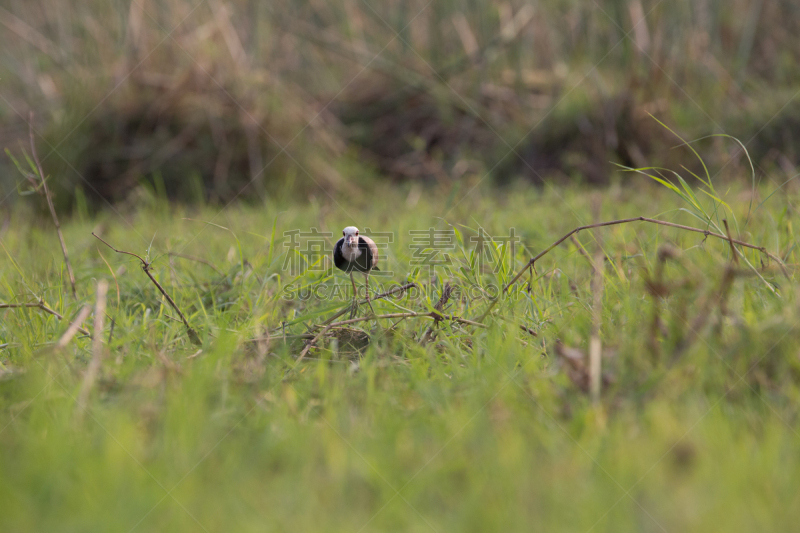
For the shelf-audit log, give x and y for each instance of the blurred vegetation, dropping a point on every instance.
(218, 100)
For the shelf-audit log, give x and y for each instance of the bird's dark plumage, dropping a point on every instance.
(368, 260)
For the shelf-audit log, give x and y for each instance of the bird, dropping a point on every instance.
(354, 252)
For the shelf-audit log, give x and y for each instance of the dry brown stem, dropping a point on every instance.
(595, 343)
(146, 268)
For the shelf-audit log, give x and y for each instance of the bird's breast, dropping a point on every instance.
(350, 254)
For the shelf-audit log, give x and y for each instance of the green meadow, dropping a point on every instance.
(179, 353)
(695, 427)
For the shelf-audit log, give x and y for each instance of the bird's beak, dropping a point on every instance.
(351, 240)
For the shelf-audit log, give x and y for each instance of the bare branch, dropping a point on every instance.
(193, 336)
(705, 232)
(145, 264)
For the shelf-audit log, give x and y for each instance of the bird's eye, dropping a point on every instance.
(356, 233)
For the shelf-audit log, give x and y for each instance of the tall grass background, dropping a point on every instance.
(197, 98)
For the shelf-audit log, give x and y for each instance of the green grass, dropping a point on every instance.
(482, 430)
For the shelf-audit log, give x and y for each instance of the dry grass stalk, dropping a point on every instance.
(41, 305)
(74, 327)
(97, 345)
(595, 345)
(49, 198)
(193, 336)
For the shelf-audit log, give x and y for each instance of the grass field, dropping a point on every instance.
(643, 377)
(475, 429)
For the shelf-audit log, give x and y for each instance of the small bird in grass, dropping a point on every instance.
(359, 253)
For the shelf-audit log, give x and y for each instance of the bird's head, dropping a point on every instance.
(350, 236)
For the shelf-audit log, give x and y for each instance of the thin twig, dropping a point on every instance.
(146, 268)
(52, 207)
(705, 232)
(41, 305)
